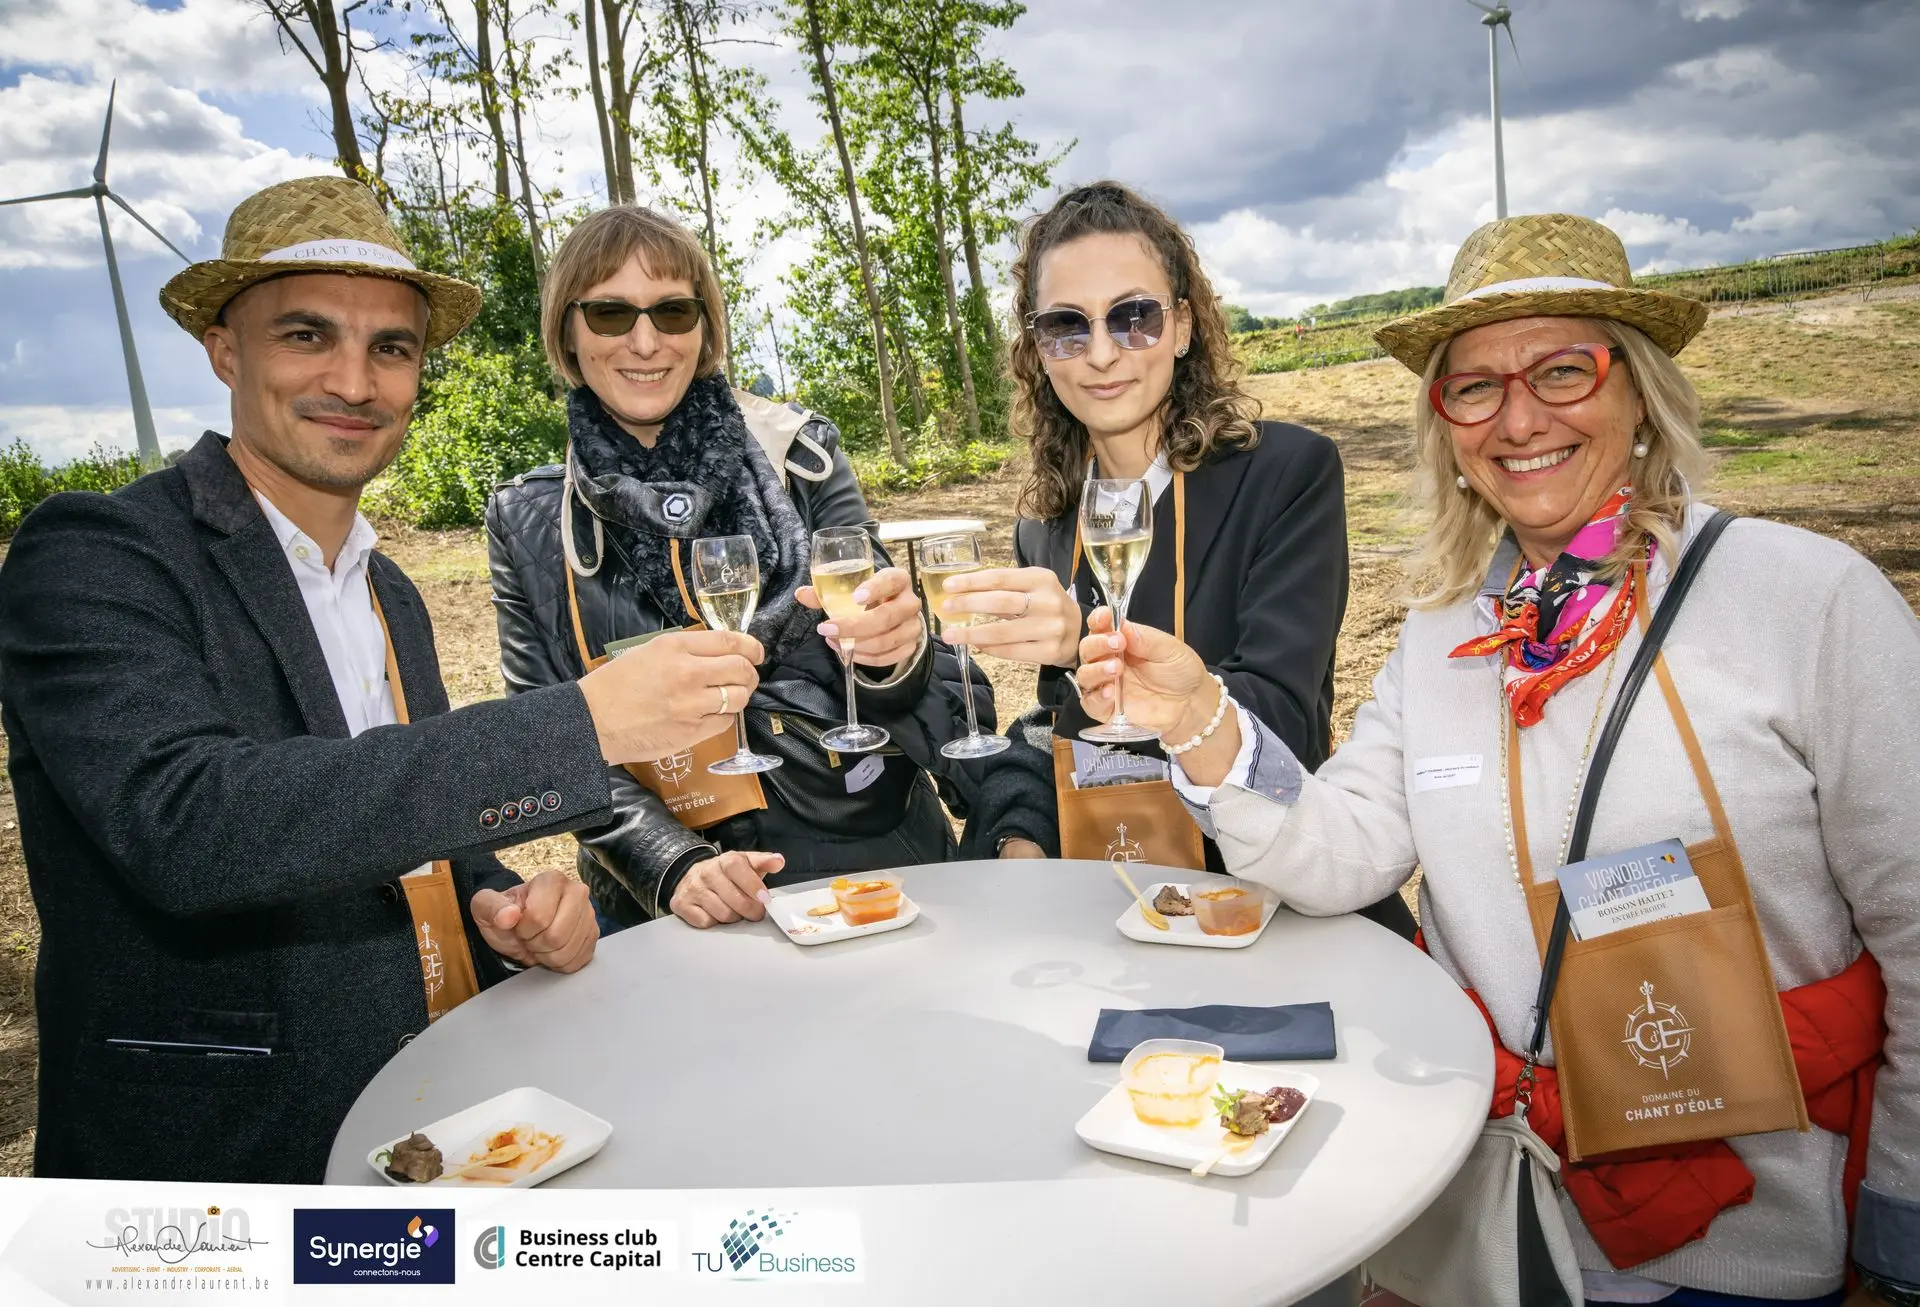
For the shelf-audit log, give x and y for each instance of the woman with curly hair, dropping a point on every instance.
(1123, 370)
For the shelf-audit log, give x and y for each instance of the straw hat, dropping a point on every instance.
(312, 224)
(1541, 265)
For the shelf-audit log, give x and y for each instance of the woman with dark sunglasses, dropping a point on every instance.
(594, 556)
(1124, 370)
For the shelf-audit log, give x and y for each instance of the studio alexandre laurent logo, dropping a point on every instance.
(198, 1248)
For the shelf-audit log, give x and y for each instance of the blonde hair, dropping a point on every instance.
(599, 247)
(1463, 528)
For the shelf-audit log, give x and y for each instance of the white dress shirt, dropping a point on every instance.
(341, 608)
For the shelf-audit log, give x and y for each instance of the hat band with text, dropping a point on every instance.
(340, 251)
(1537, 283)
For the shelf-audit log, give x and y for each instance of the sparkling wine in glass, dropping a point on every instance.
(726, 585)
(1116, 528)
(941, 559)
(842, 563)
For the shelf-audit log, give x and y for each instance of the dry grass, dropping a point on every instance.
(1812, 416)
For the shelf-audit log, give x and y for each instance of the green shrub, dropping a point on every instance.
(484, 421)
(25, 481)
(932, 465)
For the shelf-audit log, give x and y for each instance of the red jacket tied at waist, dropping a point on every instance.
(1642, 1204)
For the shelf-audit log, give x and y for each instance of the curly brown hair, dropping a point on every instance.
(1205, 409)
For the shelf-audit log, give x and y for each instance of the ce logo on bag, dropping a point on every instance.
(675, 769)
(1123, 849)
(1658, 1035)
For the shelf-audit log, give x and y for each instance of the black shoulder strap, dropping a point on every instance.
(1663, 619)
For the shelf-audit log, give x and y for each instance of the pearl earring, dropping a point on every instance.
(1461, 481)
(1640, 449)
(1181, 352)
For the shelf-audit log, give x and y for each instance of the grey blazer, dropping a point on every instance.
(213, 860)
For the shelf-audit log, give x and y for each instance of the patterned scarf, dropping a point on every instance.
(1557, 622)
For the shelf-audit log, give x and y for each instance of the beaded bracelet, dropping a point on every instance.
(1219, 715)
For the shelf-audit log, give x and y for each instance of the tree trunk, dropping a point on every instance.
(620, 94)
(702, 112)
(954, 320)
(906, 365)
(605, 128)
(895, 445)
(336, 52)
(520, 142)
(969, 238)
(490, 99)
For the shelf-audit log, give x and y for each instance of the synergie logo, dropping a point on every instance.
(373, 1246)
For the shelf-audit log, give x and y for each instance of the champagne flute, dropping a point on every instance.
(941, 559)
(726, 585)
(842, 563)
(1116, 526)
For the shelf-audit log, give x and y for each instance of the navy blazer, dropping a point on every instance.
(212, 858)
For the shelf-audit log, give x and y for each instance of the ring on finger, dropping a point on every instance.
(726, 704)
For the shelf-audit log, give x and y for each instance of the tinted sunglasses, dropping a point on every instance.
(675, 317)
(1065, 333)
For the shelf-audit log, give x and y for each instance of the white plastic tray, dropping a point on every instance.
(463, 1134)
(789, 913)
(1111, 1126)
(1185, 930)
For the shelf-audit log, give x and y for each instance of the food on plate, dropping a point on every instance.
(868, 899)
(508, 1155)
(414, 1160)
(1168, 1080)
(1230, 909)
(824, 910)
(1170, 902)
(1246, 1112)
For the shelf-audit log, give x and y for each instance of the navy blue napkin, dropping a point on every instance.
(1293, 1032)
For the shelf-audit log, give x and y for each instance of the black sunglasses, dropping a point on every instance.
(1065, 333)
(675, 317)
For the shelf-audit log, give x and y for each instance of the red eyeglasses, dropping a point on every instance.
(1468, 399)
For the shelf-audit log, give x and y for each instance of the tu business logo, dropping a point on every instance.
(765, 1244)
(392, 1245)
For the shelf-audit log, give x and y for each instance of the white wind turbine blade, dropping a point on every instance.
(80, 194)
(149, 226)
(100, 164)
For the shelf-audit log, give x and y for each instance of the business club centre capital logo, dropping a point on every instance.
(490, 1249)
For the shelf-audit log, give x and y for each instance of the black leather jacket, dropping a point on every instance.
(634, 862)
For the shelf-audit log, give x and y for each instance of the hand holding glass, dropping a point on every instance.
(726, 585)
(842, 563)
(942, 558)
(1116, 528)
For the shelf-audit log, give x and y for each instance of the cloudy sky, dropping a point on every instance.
(1316, 148)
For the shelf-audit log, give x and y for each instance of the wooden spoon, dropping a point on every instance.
(1154, 919)
(1238, 1144)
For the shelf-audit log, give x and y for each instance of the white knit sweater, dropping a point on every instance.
(1800, 668)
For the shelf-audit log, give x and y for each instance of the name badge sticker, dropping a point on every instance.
(1631, 888)
(1446, 773)
(614, 647)
(864, 773)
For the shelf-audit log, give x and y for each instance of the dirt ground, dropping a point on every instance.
(1811, 413)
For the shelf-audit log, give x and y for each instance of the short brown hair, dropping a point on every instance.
(600, 246)
(1205, 410)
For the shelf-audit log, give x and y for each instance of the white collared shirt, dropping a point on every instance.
(340, 606)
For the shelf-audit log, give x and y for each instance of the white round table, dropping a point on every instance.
(733, 1059)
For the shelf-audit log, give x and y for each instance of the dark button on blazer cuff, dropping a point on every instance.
(490, 819)
(550, 801)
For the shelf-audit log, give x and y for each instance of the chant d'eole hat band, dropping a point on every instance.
(1539, 265)
(312, 224)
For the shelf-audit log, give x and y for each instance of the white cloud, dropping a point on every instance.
(64, 432)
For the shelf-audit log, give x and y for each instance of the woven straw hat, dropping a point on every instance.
(1541, 265)
(312, 224)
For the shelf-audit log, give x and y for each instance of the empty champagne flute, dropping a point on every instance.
(1116, 527)
(842, 563)
(942, 558)
(726, 585)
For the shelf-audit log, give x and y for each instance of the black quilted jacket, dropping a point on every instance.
(634, 862)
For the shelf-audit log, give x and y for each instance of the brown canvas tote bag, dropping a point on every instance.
(694, 795)
(446, 963)
(1143, 821)
(1670, 1032)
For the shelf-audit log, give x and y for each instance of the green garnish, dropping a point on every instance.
(384, 1156)
(1225, 1100)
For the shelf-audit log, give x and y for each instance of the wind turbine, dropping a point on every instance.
(1493, 18)
(142, 414)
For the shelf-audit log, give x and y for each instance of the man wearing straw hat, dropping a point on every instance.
(256, 837)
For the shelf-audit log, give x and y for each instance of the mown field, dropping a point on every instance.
(1812, 415)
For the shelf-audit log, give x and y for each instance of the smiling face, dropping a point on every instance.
(639, 377)
(324, 371)
(1545, 469)
(1112, 391)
